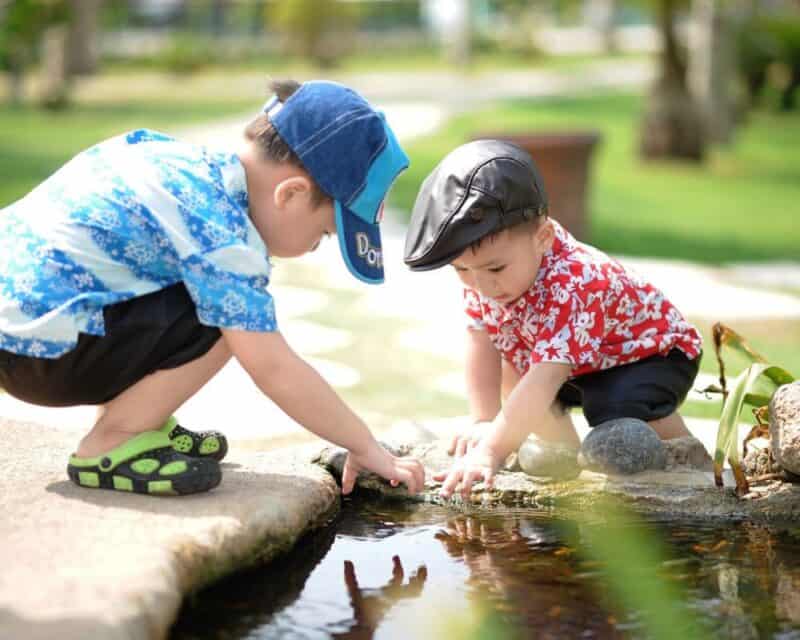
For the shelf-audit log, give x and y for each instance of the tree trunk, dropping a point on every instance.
(711, 68)
(82, 46)
(672, 126)
(218, 11)
(460, 38)
(16, 78)
(55, 88)
(601, 14)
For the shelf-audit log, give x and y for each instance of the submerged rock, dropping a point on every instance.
(784, 427)
(623, 446)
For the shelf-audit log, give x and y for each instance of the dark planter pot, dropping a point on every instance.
(563, 161)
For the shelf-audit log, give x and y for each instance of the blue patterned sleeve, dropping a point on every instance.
(229, 288)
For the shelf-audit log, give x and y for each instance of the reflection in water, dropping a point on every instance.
(512, 566)
(371, 605)
(531, 578)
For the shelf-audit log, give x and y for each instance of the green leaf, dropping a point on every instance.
(727, 441)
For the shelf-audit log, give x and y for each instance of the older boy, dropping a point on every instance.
(132, 275)
(553, 322)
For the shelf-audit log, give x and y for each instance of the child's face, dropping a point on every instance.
(296, 224)
(302, 230)
(505, 267)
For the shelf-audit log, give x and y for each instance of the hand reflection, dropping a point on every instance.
(371, 605)
(476, 544)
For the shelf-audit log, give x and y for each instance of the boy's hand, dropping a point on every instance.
(378, 460)
(463, 442)
(480, 463)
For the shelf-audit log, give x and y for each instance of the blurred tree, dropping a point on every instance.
(601, 14)
(218, 14)
(21, 29)
(315, 29)
(711, 67)
(672, 126)
(81, 44)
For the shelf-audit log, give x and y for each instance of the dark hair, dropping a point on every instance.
(521, 224)
(271, 146)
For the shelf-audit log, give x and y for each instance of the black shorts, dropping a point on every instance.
(156, 331)
(649, 389)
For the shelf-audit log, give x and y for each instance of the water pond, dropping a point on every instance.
(392, 570)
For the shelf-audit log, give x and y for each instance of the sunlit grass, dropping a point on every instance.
(36, 142)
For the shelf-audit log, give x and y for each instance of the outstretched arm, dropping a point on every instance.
(306, 397)
(483, 377)
(526, 406)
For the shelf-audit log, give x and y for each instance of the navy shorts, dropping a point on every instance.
(156, 331)
(649, 389)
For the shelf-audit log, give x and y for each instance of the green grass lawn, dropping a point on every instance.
(371, 60)
(35, 142)
(742, 204)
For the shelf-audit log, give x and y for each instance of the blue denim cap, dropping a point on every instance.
(354, 157)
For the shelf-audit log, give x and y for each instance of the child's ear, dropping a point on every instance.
(290, 189)
(544, 235)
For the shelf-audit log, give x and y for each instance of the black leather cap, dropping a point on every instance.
(477, 189)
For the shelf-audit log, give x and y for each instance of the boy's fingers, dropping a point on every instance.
(408, 479)
(348, 477)
(440, 476)
(453, 444)
(466, 483)
(461, 449)
(451, 483)
(417, 472)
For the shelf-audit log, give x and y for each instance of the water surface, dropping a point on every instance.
(390, 570)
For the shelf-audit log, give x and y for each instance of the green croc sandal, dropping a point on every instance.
(197, 444)
(146, 463)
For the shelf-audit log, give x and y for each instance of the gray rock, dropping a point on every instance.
(687, 453)
(784, 426)
(548, 459)
(623, 446)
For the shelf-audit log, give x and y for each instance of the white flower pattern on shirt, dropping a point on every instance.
(583, 309)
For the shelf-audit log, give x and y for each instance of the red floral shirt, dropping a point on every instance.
(584, 309)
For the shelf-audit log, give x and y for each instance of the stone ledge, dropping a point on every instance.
(686, 492)
(80, 563)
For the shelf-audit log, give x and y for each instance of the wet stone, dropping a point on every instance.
(623, 447)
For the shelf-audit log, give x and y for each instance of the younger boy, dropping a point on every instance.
(132, 275)
(554, 323)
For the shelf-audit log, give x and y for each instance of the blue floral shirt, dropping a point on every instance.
(127, 217)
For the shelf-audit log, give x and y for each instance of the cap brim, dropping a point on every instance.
(360, 243)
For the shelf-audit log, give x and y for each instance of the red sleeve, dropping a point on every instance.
(472, 307)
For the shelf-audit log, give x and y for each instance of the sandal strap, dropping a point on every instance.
(169, 425)
(142, 443)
